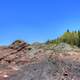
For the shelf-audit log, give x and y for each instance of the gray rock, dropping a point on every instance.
(39, 71)
(62, 47)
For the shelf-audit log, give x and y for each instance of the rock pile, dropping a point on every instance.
(22, 61)
(62, 47)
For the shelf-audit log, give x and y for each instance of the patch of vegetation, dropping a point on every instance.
(72, 38)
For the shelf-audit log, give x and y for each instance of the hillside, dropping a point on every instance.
(22, 61)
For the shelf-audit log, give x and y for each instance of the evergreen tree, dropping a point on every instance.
(68, 30)
(78, 38)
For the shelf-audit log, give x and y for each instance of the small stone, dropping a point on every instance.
(5, 76)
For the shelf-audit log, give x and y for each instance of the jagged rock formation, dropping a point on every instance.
(11, 53)
(21, 61)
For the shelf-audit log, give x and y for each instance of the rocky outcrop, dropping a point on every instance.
(22, 61)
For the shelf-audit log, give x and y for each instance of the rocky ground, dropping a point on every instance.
(22, 61)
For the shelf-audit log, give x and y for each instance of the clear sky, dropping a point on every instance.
(37, 20)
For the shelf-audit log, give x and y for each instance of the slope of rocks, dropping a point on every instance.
(22, 61)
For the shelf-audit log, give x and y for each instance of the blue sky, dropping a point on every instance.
(37, 20)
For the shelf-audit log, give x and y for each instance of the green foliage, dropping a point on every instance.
(72, 38)
(53, 42)
(78, 44)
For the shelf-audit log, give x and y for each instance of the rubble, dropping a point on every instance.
(62, 47)
(22, 61)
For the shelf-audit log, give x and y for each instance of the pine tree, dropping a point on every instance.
(68, 30)
(78, 38)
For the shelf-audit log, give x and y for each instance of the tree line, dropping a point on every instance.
(70, 37)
